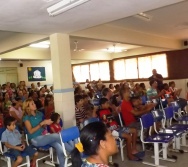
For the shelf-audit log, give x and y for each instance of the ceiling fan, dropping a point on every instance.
(76, 47)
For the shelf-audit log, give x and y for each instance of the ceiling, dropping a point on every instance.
(169, 19)
(32, 17)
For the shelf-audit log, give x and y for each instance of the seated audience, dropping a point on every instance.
(130, 134)
(111, 87)
(55, 127)
(143, 89)
(79, 110)
(174, 91)
(35, 125)
(7, 104)
(34, 97)
(12, 139)
(127, 110)
(16, 110)
(152, 92)
(49, 106)
(96, 142)
(158, 78)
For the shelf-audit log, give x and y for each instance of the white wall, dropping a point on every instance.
(22, 71)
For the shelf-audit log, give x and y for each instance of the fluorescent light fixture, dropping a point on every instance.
(144, 16)
(116, 50)
(44, 44)
(63, 6)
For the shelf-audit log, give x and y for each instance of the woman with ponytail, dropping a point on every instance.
(97, 143)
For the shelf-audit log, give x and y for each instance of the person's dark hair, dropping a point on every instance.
(142, 85)
(110, 85)
(103, 101)
(117, 86)
(46, 101)
(17, 99)
(151, 82)
(165, 85)
(105, 91)
(8, 121)
(77, 90)
(77, 98)
(54, 117)
(90, 137)
(170, 83)
(132, 99)
(85, 96)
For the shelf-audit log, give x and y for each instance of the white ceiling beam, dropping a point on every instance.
(121, 35)
(19, 40)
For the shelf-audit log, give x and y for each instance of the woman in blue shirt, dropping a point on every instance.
(34, 124)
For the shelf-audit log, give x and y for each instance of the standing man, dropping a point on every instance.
(158, 78)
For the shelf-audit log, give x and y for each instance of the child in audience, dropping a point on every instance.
(130, 134)
(12, 140)
(55, 127)
(79, 110)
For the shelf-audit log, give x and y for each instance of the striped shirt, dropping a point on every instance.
(80, 114)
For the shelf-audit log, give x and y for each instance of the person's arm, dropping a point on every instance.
(13, 114)
(145, 110)
(13, 147)
(52, 129)
(32, 130)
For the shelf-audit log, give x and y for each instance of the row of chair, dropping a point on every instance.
(168, 132)
(66, 135)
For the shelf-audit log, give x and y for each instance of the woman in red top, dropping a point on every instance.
(55, 127)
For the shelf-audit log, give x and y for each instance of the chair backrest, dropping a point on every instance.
(169, 113)
(147, 120)
(158, 115)
(96, 102)
(70, 134)
(90, 120)
(144, 99)
(1, 131)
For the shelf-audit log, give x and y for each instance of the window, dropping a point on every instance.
(140, 67)
(144, 66)
(131, 71)
(147, 64)
(125, 69)
(93, 71)
(81, 73)
(160, 64)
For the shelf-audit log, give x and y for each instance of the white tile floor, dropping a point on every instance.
(181, 162)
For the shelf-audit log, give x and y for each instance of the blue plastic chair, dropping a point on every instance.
(169, 114)
(144, 99)
(90, 120)
(147, 122)
(70, 135)
(8, 156)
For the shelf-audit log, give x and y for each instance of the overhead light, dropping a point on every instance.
(44, 44)
(144, 16)
(63, 6)
(114, 49)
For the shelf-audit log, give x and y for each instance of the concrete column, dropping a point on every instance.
(62, 78)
